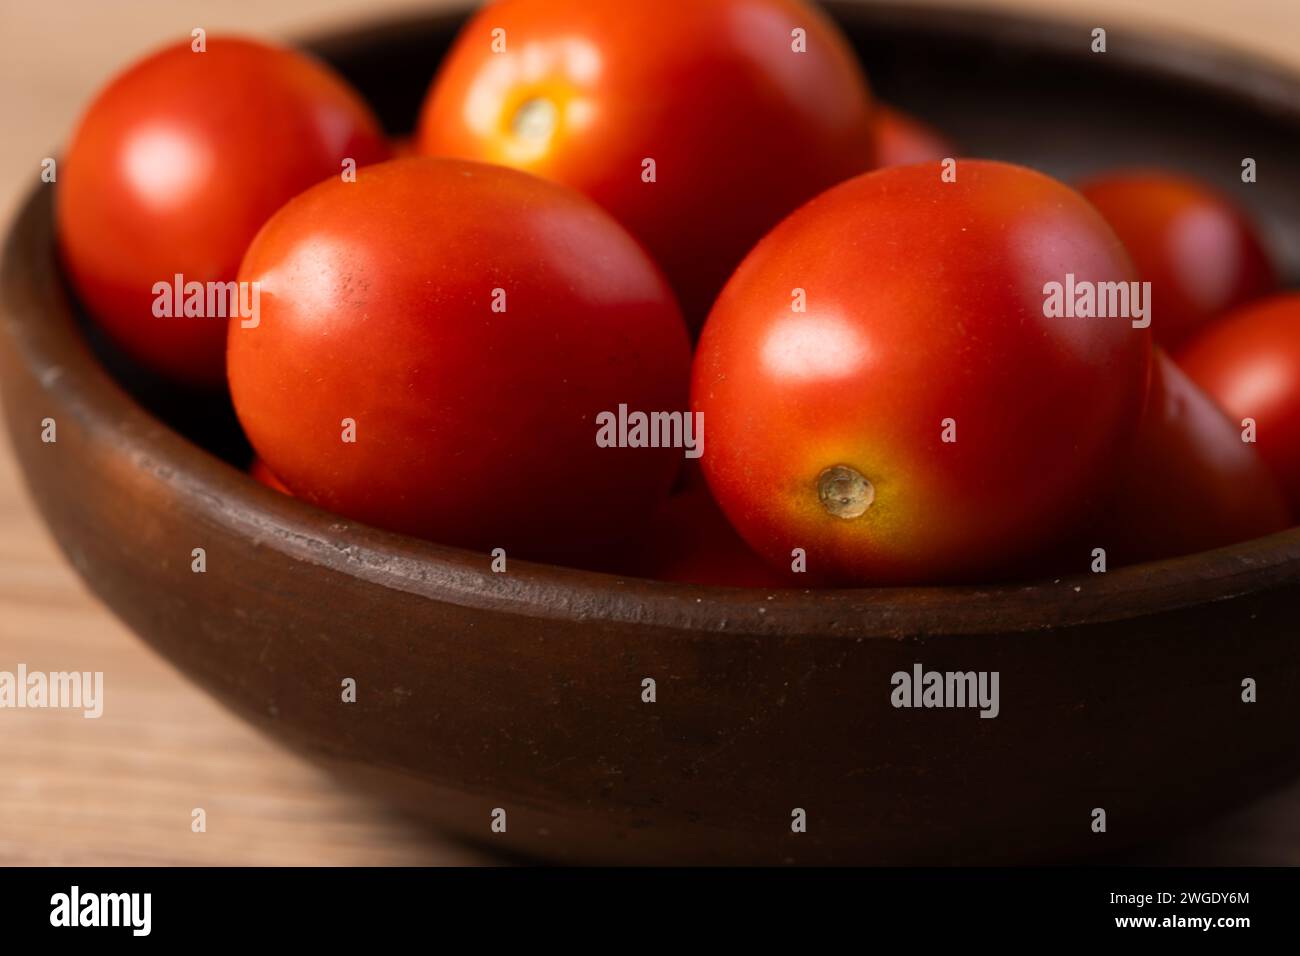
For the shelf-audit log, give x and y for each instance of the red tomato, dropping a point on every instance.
(175, 167)
(1249, 362)
(1200, 253)
(266, 476)
(690, 541)
(902, 139)
(924, 320)
(740, 126)
(1192, 483)
(471, 323)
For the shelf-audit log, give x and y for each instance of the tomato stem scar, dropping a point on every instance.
(535, 119)
(844, 492)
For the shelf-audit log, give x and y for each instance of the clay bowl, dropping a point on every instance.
(522, 691)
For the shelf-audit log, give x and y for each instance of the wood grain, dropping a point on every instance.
(120, 789)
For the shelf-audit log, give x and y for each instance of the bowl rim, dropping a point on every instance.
(38, 321)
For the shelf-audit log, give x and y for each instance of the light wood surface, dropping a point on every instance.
(120, 789)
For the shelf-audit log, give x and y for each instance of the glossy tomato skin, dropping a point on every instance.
(1249, 362)
(174, 168)
(475, 410)
(1192, 483)
(1199, 251)
(923, 306)
(902, 139)
(740, 126)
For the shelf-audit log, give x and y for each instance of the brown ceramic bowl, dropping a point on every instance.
(523, 691)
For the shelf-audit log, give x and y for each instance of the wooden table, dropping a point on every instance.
(120, 790)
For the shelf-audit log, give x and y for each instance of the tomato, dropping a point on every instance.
(1192, 483)
(466, 325)
(902, 139)
(1200, 253)
(740, 126)
(1249, 362)
(922, 319)
(690, 541)
(261, 473)
(173, 169)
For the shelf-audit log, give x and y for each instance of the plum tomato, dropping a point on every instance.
(698, 124)
(902, 139)
(1249, 362)
(1199, 251)
(883, 386)
(437, 344)
(174, 168)
(1192, 483)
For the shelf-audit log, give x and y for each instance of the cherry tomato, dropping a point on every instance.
(1249, 362)
(436, 346)
(883, 389)
(1192, 483)
(690, 541)
(746, 108)
(174, 168)
(902, 139)
(266, 476)
(1200, 253)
